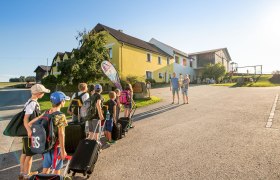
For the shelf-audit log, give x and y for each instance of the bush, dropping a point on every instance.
(50, 82)
(151, 80)
(134, 79)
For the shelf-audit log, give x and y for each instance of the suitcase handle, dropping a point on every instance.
(67, 157)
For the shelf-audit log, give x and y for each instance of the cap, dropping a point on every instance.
(97, 87)
(58, 97)
(39, 88)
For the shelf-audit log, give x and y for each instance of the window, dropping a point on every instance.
(184, 62)
(177, 60)
(149, 75)
(160, 75)
(190, 63)
(159, 60)
(110, 53)
(168, 61)
(148, 57)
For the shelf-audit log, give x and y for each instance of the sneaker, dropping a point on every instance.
(111, 142)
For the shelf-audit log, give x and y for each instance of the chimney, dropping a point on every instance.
(120, 30)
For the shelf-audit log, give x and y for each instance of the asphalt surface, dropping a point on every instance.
(221, 134)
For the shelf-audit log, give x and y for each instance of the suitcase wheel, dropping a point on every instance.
(88, 176)
(84, 173)
(73, 174)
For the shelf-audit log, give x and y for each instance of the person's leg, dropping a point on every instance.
(46, 171)
(173, 95)
(177, 95)
(22, 160)
(27, 164)
(57, 172)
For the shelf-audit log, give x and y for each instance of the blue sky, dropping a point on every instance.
(32, 31)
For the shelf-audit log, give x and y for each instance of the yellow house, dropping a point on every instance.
(132, 56)
(60, 57)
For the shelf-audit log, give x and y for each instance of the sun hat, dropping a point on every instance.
(39, 88)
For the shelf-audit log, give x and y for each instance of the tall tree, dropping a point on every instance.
(85, 66)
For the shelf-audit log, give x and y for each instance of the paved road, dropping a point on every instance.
(221, 134)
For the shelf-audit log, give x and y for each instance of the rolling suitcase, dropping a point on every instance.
(117, 131)
(84, 158)
(74, 133)
(127, 121)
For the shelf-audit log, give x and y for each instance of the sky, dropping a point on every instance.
(32, 31)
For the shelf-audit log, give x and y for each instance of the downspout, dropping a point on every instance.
(121, 61)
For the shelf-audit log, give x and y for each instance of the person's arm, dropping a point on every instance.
(34, 120)
(27, 127)
(99, 109)
(170, 84)
(115, 113)
(61, 138)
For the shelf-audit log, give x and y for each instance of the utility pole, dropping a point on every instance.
(47, 66)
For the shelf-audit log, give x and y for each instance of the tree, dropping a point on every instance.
(30, 79)
(86, 64)
(215, 71)
(22, 79)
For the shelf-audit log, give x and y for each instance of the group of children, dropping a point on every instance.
(58, 98)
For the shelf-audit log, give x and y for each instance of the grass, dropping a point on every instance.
(263, 81)
(45, 103)
(11, 84)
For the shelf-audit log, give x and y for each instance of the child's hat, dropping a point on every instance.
(58, 97)
(39, 88)
(97, 87)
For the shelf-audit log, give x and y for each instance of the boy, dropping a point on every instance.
(83, 95)
(174, 86)
(117, 100)
(112, 106)
(59, 121)
(32, 110)
(97, 103)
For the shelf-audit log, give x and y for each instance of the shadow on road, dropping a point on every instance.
(155, 111)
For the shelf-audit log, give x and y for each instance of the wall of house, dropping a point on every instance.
(134, 62)
(40, 74)
(115, 45)
(204, 59)
(54, 68)
(181, 68)
(220, 57)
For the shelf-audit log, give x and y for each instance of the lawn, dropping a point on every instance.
(11, 84)
(263, 81)
(45, 103)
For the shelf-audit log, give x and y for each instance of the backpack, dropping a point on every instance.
(125, 97)
(76, 104)
(90, 110)
(85, 109)
(44, 137)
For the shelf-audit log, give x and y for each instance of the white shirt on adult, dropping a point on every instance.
(84, 97)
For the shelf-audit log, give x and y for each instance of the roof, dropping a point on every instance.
(44, 68)
(174, 49)
(60, 54)
(68, 53)
(212, 51)
(127, 39)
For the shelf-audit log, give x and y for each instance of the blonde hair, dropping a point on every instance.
(129, 87)
(112, 95)
(82, 86)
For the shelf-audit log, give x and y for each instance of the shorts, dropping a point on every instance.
(128, 106)
(185, 92)
(93, 124)
(109, 125)
(26, 146)
(175, 90)
(49, 157)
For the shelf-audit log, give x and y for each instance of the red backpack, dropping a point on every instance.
(125, 97)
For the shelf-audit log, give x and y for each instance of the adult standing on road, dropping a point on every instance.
(174, 86)
(185, 88)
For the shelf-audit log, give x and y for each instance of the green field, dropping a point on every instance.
(11, 84)
(263, 81)
(45, 103)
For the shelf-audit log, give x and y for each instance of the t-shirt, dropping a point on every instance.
(185, 84)
(175, 83)
(59, 121)
(32, 108)
(94, 99)
(111, 105)
(84, 97)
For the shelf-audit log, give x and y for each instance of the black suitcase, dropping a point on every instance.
(74, 133)
(117, 131)
(125, 123)
(46, 177)
(84, 158)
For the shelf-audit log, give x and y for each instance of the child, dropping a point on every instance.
(112, 106)
(117, 100)
(32, 110)
(58, 101)
(128, 107)
(97, 103)
(185, 87)
(83, 95)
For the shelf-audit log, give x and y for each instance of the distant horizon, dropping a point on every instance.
(32, 31)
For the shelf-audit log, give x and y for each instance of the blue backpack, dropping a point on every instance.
(44, 137)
